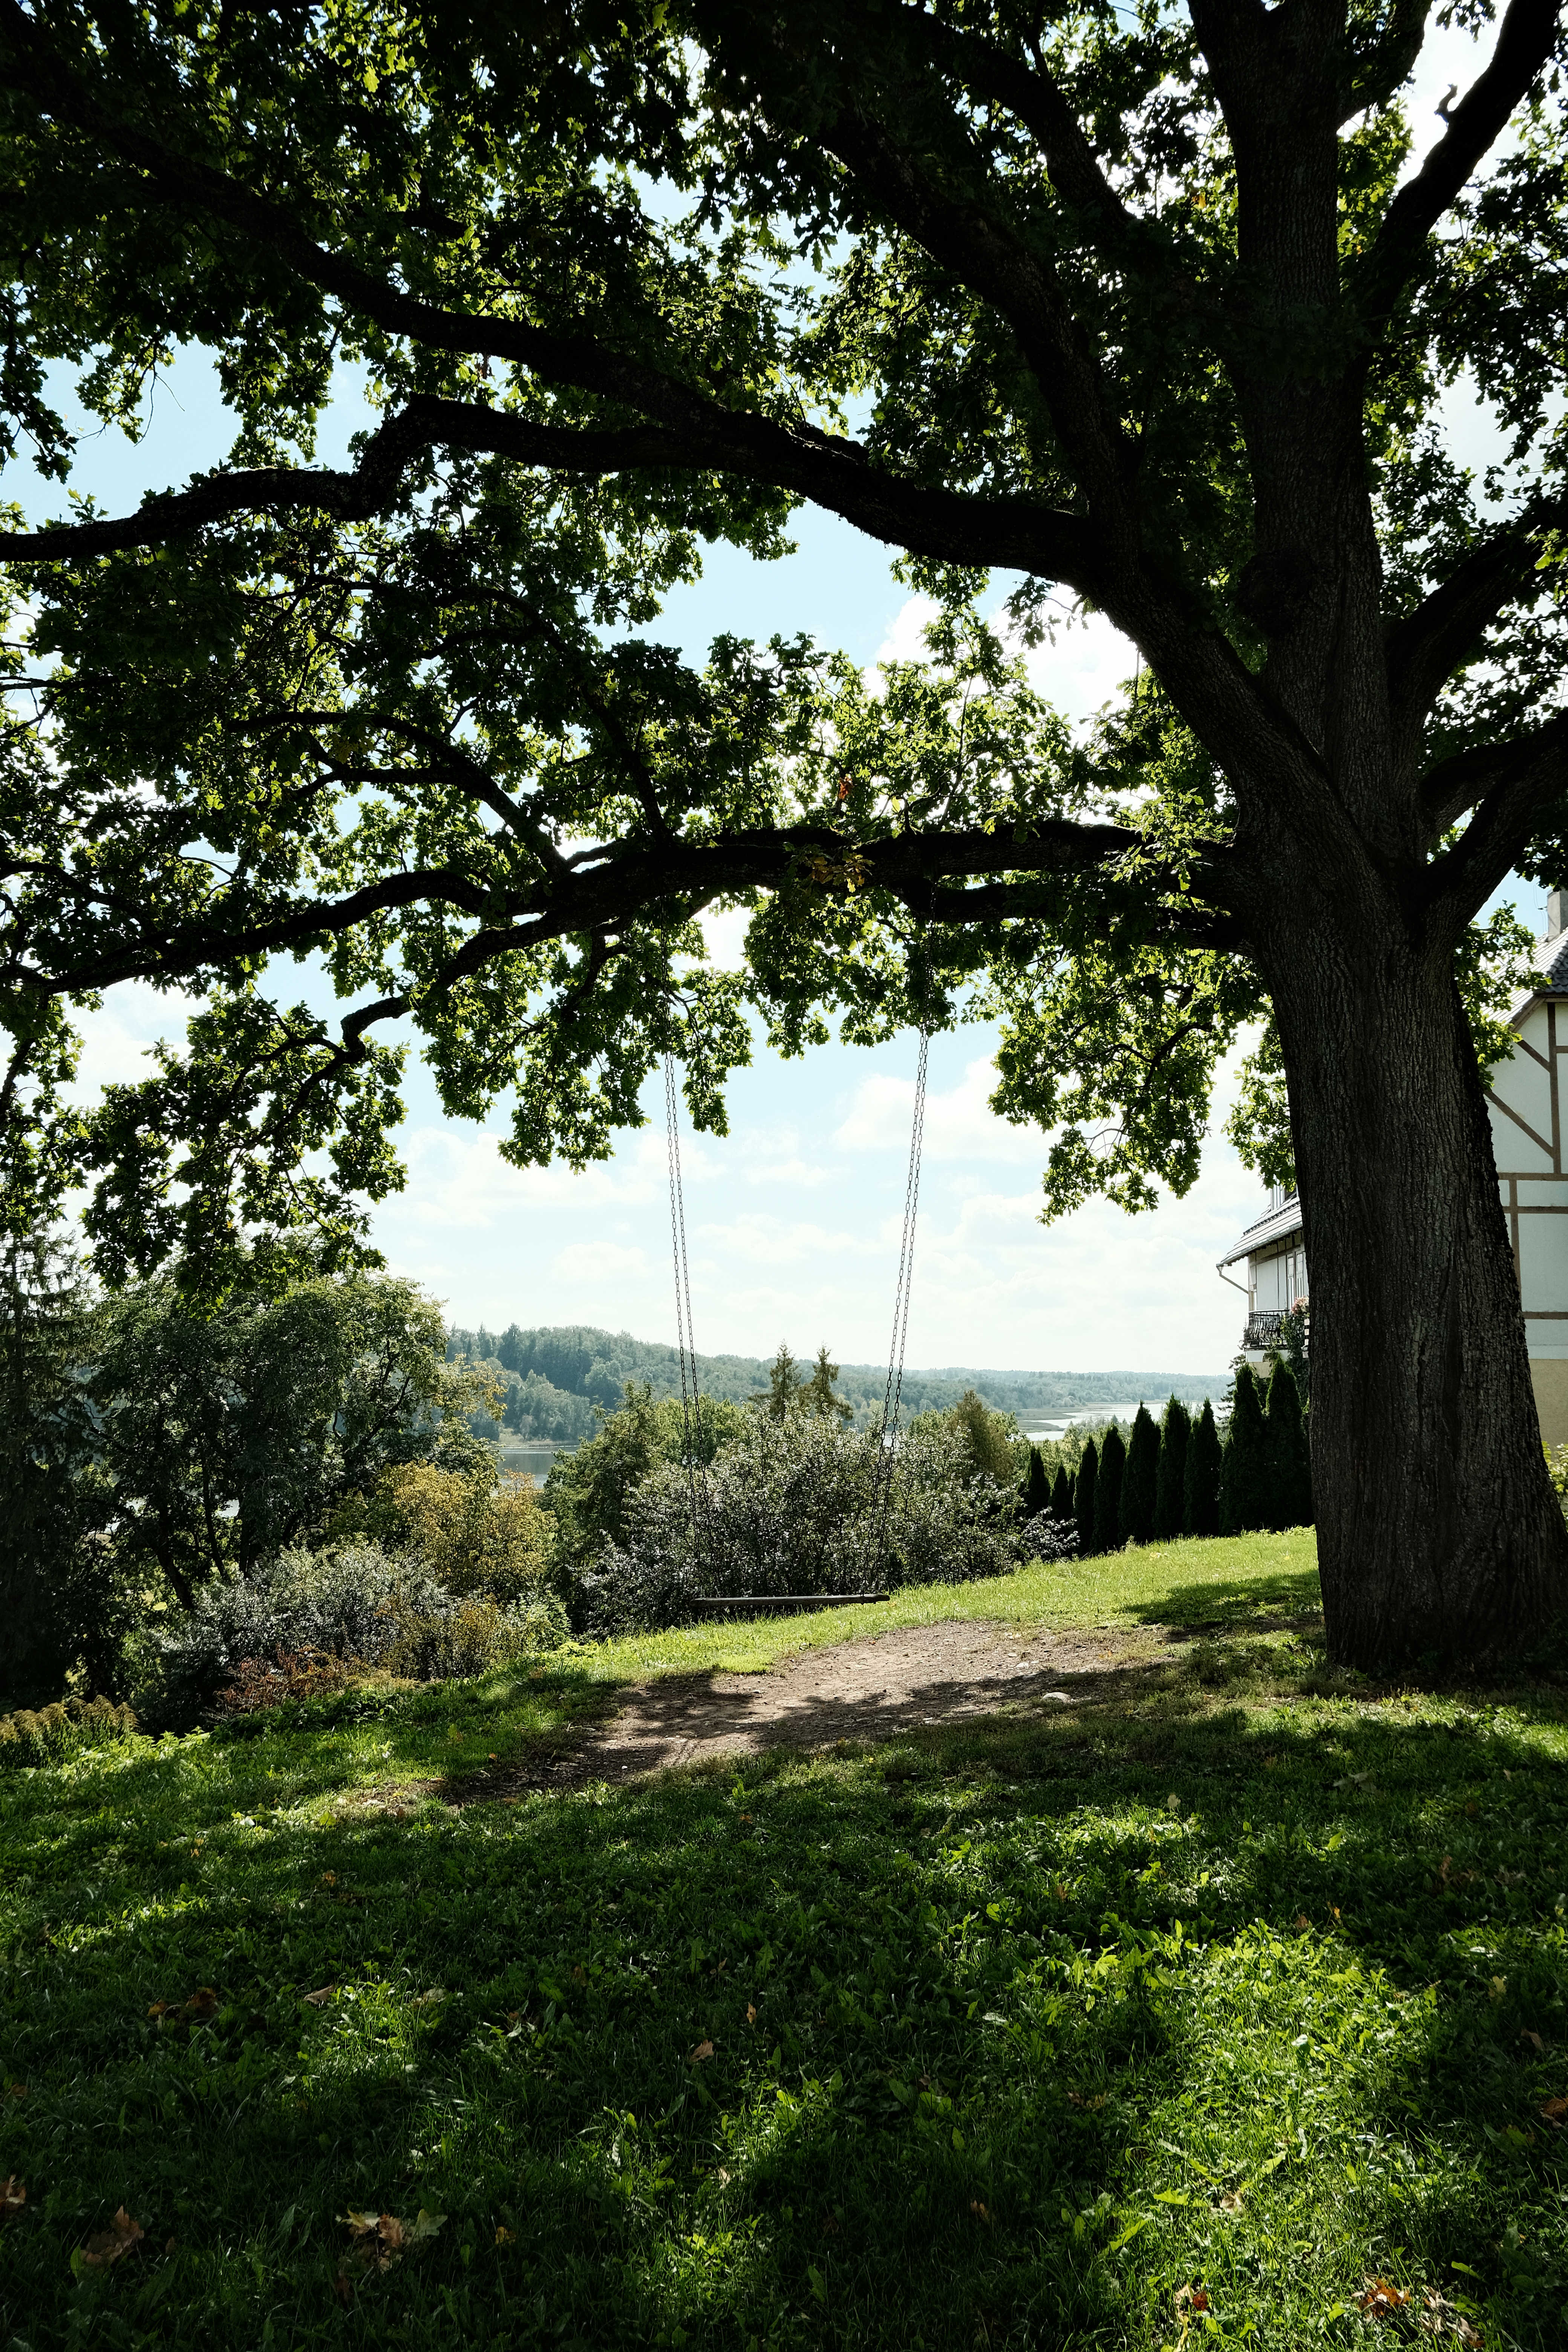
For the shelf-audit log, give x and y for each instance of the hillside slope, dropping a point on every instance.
(554, 1376)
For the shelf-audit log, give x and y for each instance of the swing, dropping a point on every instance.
(785, 1604)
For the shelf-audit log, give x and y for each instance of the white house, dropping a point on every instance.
(1276, 1266)
(1528, 1144)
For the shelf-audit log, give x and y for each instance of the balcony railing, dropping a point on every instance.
(1263, 1327)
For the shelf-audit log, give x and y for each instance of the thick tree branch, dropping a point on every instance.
(1376, 71)
(1425, 647)
(1018, 533)
(1030, 93)
(1529, 788)
(686, 427)
(1469, 777)
(626, 883)
(1525, 42)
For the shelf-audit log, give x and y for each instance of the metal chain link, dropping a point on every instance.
(690, 1404)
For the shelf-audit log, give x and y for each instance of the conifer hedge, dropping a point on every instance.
(1108, 1492)
(1200, 1512)
(1171, 1479)
(1085, 1496)
(1139, 1480)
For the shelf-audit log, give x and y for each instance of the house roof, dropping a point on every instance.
(1552, 968)
(1276, 1227)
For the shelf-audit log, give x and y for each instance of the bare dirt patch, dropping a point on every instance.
(895, 1682)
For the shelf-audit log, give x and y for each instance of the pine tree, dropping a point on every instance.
(1170, 1478)
(1084, 1497)
(1036, 1486)
(1245, 1471)
(1136, 1521)
(817, 1394)
(1108, 1492)
(1061, 1494)
(1200, 1501)
(786, 1381)
(1290, 1460)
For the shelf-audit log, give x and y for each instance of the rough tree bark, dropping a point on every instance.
(1438, 1533)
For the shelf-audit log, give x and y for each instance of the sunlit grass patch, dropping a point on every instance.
(1013, 2033)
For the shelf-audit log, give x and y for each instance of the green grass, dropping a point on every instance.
(1222, 1985)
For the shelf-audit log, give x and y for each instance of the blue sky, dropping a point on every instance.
(793, 1219)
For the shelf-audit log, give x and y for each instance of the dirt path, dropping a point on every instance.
(872, 1689)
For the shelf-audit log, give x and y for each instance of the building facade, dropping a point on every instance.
(1525, 1098)
(1273, 1272)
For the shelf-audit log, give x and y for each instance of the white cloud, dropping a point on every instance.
(959, 1124)
(597, 1262)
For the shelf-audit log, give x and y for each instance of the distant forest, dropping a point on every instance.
(553, 1378)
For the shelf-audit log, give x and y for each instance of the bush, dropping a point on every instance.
(587, 1493)
(1084, 1494)
(1201, 1503)
(357, 1606)
(471, 1535)
(64, 1728)
(1139, 1480)
(1171, 1479)
(1108, 1491)
(803, 1506)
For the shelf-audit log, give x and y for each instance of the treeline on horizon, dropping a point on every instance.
(551, 1378)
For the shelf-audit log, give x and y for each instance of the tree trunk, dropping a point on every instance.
(1438, 1533)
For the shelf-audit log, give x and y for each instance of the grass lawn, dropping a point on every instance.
(1170, 2017)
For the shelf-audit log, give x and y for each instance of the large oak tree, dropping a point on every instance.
(1144, 308)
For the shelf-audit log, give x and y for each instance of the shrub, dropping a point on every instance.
(1200, 1514)
(587, 1492)
(1135, 1519)
(471, 1535)
(63, 1728)
(1037, 1492)
(1170, 1478)
(1290, 1463)
(287, 1674)
(1246, 1500)
(802, 1506)
(469, 1633)
(1084, 1494)
(1108, 1492)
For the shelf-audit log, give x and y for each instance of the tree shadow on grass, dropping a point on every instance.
(967, 2035)
(1293, 1593)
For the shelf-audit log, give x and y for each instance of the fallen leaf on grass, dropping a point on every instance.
(980, 2212)
(703, 2050)
(1527, 2034)
(1192, 2298)
(380, 2240)
(1231, 2202)
(1302, 1923)
(105, 2247)
(1092, 2104)
(320, 1998)
(1556, 2112)
(750, 2012)
(13, 2194)
(1380, 2298)
(504, 2237)
(16, 2090)
(202, 2002)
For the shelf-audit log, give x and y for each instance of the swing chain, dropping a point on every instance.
(690, 1401)
(893, 1396)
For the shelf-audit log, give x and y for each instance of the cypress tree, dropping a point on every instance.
(1036, 1486)
(1245, 1470)
(1135, 1522)
(1200, 1501)
(1289, 1461)
(1084, 1496)
(1170, 1478)
(1061, 1494)
(1108, 1492)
